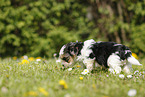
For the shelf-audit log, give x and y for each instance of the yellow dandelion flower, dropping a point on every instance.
(31, 58)
(14, 58)
(31, 93)
(81, 78)
(135, 55)
(43, 91)
(24, 61)
(63, 84)
(78, 66)
(7, 76)
(38, 58)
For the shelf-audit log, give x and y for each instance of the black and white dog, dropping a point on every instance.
(116, 57)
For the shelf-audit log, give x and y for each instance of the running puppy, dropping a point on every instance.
(116, 57)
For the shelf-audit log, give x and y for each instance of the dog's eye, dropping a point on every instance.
(65, 59)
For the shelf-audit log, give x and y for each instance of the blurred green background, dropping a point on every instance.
(41, 27)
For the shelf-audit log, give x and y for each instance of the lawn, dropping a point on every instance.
(46, 78)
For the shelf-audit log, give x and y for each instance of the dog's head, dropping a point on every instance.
(69, 52)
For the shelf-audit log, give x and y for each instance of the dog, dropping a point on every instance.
(116, 57)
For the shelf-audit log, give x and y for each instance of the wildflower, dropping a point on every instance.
(54, 55)
(70, 69)
(132, 92)
(7, 76)
(121, 76)
(31, 58)
(129, 76)
(31, 93)
(107, 75)
(58, 61)
(78, 66)
(136, 72)
(43, 91)
(14, 58)
(81, 78)
(86, 71)
(38, 60)
(24, 61)
(25, 57)
(63, 84)
(135, 55)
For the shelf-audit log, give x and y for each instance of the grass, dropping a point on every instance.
(25, 80)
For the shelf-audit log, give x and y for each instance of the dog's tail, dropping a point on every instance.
(133, 61)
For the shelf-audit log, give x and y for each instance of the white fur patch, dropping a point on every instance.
(114, 63)
(126, 51)
(86, 51)
(114, 59)
(116, 52)
(62, 50)
(117, 44)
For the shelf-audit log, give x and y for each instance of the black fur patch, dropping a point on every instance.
(103, 50)
(74, 46)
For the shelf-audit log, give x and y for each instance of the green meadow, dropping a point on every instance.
(45, 78)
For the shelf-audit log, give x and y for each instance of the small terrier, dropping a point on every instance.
(116, 57)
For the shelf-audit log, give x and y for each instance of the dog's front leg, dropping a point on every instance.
(89, 63)
(66, 65)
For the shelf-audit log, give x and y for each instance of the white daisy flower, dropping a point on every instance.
(121, 76)
(86, 71)
(132, 92)
(25, 57)
(38, 60)
(58, 61)
(69, 69)
(129, 76)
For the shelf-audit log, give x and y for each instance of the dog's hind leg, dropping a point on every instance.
(128, 68)
(114, 64)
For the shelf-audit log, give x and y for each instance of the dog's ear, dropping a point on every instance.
(72, 51)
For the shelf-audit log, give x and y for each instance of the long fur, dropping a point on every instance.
(116, 57)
